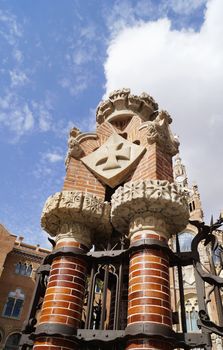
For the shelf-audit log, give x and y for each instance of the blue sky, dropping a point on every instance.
(60, 58)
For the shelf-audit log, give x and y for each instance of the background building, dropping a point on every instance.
(212, 263)
(18, 264)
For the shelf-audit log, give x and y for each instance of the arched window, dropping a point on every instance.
(29, 270)
(23, 269)
(12, 342)
(191, 315)
(14, 304)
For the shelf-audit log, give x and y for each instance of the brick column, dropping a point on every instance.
(149, 291)
(151, 211)
(71, 217)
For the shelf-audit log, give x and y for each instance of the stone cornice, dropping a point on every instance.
(31, 256)
(149, 198)
(64, 209)
(122, 104)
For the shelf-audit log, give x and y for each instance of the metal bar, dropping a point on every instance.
(105, 287)
(181, 290)
(90, 299)
(217, 293)
(118, 291)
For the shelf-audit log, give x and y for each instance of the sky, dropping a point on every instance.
(59, 59)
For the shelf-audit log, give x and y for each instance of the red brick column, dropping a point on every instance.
(72, 217)
(151, 211)
(149, 291)
(63, 301)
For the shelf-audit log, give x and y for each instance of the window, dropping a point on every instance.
(185, 240)
(192, 315)
(12, 342)
(13, 306)
(23, 269)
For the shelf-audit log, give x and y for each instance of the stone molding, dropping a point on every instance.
(158, 131)
(157, 198)
(122, 104)
(64, 209)
(148, 223)
(74, 232)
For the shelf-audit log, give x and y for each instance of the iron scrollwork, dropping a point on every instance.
(208, 283)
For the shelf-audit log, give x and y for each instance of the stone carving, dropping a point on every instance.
(114, 160)
(148, 222)
(159, 131)
(149, 198)
(121, 105)
(74, 144)
(71, 231)
(65, 210)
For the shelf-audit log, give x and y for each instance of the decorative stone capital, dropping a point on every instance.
(148, 223)
(149, 198)
(74, 231)
(122, 105)
(159, 131)
(64, 210)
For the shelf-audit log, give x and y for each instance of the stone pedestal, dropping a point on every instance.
(72, 217)
(150, 211)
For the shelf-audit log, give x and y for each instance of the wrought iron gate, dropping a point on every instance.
(104, 315)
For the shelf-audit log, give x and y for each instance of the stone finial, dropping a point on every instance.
(149, 198)
(75, 149)
(158, 131)
(68, 212)
(121, 105)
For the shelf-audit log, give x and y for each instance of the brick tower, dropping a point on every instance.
(120, 180)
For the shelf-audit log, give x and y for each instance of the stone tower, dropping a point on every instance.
(192, 193)
(119, 182)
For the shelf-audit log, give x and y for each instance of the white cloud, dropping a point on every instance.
(43, 112)
(183, 71)
(18, 78)
(18, 55)
(16, 116)
(185, 7)
(49, 164)
(53, 157)
(10, 29)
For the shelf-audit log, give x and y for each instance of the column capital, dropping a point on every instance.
(158, 199)
(76, 214)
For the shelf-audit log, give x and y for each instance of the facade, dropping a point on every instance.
(18, 264)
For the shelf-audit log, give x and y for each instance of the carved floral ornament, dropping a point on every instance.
(72, 212)
(146, 199)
